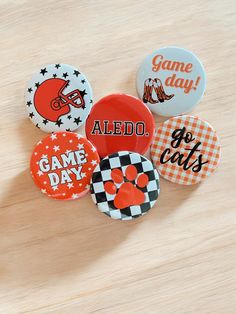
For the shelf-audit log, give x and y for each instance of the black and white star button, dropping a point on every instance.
(58, 98)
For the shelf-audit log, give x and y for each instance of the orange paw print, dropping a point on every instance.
(128, 194)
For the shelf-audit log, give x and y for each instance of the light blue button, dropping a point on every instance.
(171, 81)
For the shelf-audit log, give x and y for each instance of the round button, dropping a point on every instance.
(171, 81)
(125, 185)
(120, 122)
(62, 165)
(185, 150)
(58, 98)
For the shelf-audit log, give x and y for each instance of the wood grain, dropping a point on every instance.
(66, 257)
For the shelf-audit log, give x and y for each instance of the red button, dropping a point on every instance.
(62, 165)
(120, 122)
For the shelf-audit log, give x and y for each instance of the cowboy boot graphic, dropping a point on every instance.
(158, 87)
(147, 92)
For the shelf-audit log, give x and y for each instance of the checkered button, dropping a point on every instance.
(185, 150)
(125, 185)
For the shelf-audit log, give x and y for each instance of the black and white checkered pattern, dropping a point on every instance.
(102, 174)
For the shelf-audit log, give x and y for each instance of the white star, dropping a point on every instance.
(68, 151)
(56, 148)
(80, 146)
(86, 155)
(83, 174)
(44, 156)
(89, 169)
(63, 194)
(74, 196)
(36, 153)
(94, 162)
(40, 142)
(43, 191)
(70, 185)
(55, 188)
(53, 136)
(39, 173)
(47, 147)
(93, 149)
(64, 134)
(70, 141)
(79, 136)
(44, 182)
(80, 184)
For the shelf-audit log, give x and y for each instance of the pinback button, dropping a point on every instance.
(125, 185)
(171, 81)
(185, 150)
(58, 98)
(120, 122)
(62, 165)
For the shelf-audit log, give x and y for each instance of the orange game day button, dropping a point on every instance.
(62, 164)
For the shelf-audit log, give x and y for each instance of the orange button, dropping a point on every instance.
(62, 165)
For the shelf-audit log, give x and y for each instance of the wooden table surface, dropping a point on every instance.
(67, 257)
